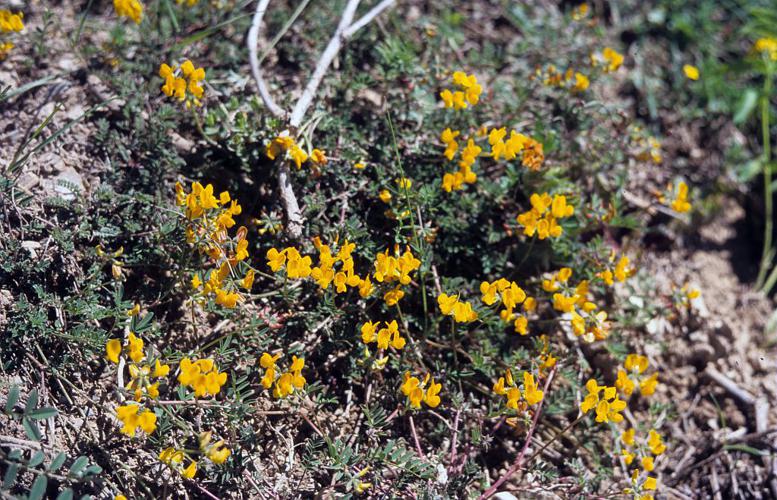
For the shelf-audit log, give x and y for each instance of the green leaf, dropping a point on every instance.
(13, 398)
(38, 488)
(32, 401)
(93, 470)
(42, 413)
(66, 494)
(36, 459)
(10, 476)
(746, 106)
(78, 465)
(749, 170)
(58, 461)
(31, 429)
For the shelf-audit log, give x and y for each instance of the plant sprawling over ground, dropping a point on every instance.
(461, 263)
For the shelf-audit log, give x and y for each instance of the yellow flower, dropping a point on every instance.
(368, 331)
(431, 397)
(113, 350)
(691, 72)
(581, 82)
(627, 437)
(650, 483)
(580, 12)
(413, 388)
(680, 203)
(135, 345)
(178, 80)
(217, 452)
(647, 464)
(359, 166)
(132, 418)
(392, 297)
(248, 280)
(766, 46)
(530, 391)
(521, 325)
(201, 375)
(655, 443)
(385, 196)
(190, 471)
(610, 59)
(608, 406)
(636, 363)
(275, 259)
(318, 157)
(542, 221)
(404, 183)
(161, 370)
(623, 383)
(132, 9)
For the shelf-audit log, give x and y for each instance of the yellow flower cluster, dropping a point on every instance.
(417, 391)
(510, 295)
(9, 23)
(285, 383)
(325, 273)
(652, 447)
(648, 147)
(531, 151)
(570, 79)
(766, 46)
(608, 407)
(630, 378)
(586, 321)
(507, 387)
(608, 59)
(691, 72)
(132, 418)
(389, 335)
(132, 9)
(468, 92)
(685, 294)
(647, 451)
(133, 347)
(179, 80)
(216, 452)
(209, 222)
(619, 273)
(395, 269)
(450, 305)
(546, 359)
(202, 375)
(580, 12)
(680, 202)
(174, 458)
(455, 180)
(543, 217)
(286, 145)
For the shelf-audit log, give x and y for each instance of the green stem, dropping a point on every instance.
(766, 255)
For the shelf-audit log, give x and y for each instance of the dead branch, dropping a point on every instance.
(346, 28)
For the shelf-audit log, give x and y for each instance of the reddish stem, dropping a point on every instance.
(519, 459)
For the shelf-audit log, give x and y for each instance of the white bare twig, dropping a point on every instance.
(253, 59)
(298, 113)
(367, 18)
(345, 29)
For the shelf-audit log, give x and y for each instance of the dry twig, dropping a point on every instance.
(346, 28)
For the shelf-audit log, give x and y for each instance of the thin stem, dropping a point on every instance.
(415, 438)
(766, 255)
(519, 459)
